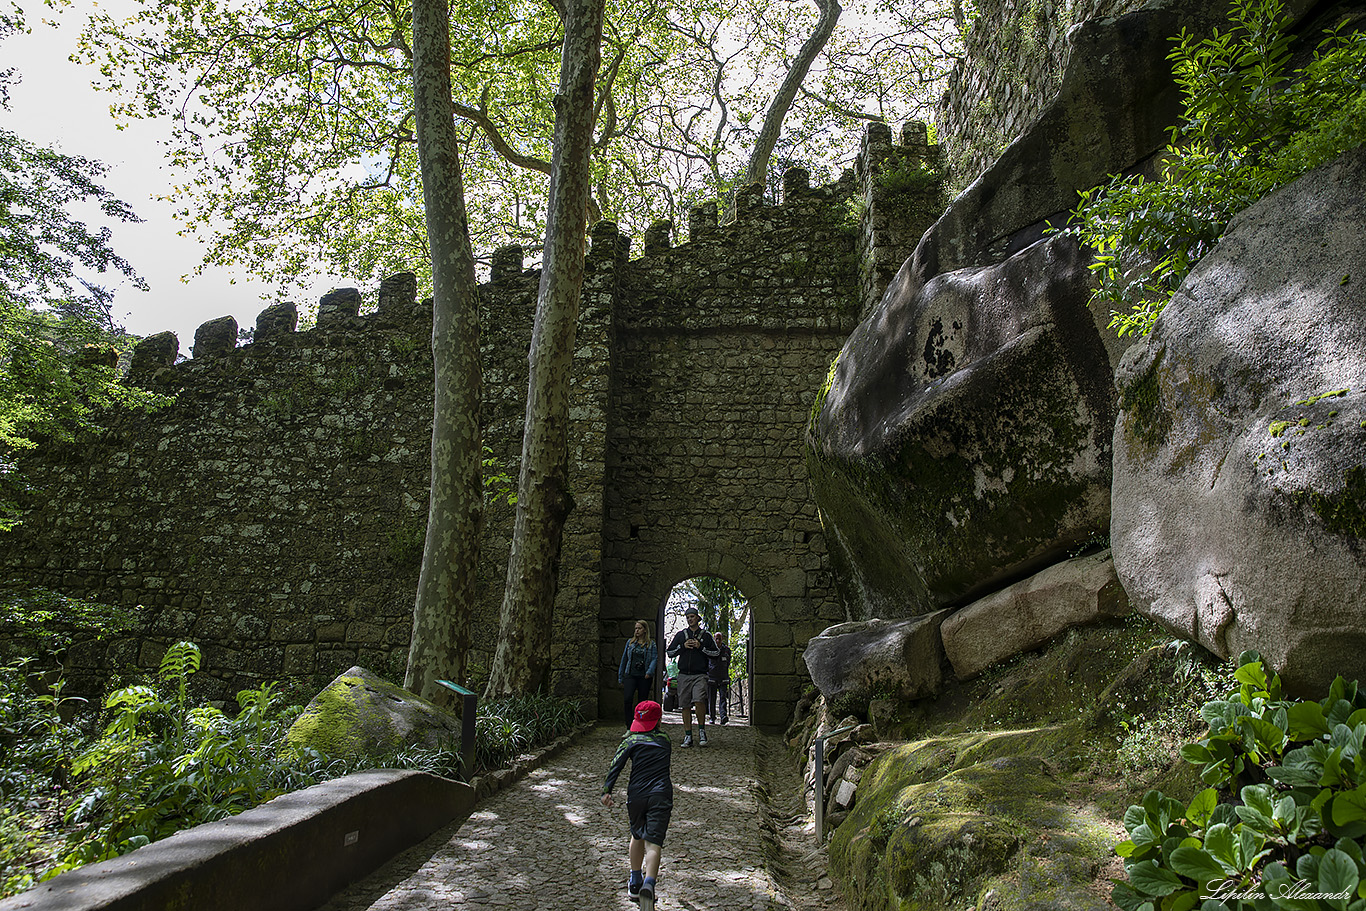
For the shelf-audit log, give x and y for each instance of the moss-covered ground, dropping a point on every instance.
(1007, 791)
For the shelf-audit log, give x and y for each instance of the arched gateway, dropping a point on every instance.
(274, 513)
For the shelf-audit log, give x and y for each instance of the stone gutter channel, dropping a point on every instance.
(409, 840)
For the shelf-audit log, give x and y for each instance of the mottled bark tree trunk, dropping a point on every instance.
(521, 661)
(446, 586)
(772, 127)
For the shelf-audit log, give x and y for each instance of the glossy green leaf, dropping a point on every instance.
(1199, 810)
(1197, 864)
(1151, 879)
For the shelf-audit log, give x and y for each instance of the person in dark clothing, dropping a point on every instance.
(636, 674)
(649, 795)
(718, 680)
(693, 646)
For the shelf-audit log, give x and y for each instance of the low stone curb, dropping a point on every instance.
(290, 854)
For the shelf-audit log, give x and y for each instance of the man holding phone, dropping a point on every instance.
(693, 647)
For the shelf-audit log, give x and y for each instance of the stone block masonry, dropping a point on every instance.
(274, 513)
(1016, 52)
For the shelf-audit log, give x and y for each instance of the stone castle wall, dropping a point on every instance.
(1016, 52)
(274, 512)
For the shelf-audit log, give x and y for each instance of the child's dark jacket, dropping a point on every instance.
(651, 754)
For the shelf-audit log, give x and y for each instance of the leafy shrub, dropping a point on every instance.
(51, 619)
(511, 725)
(36, 750)
(161, 765)
(1283, 821)
(1249, 127)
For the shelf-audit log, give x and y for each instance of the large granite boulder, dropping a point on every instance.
(361, 714)
(853, 663)
(964, 442)
(964, 439)
(1025, 615)
(1240, 451)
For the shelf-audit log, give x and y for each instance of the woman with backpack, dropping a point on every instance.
(637, 671)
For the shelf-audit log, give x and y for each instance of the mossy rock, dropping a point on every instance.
(964, 439)
(919, 840)
(1011, 795)
(361, 714)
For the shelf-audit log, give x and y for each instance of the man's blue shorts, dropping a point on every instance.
(650, 818)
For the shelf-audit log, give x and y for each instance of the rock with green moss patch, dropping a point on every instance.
(361, 714)
(923, 837)
(1240, 454)
(964, 440)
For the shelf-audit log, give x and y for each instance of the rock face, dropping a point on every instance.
(1027, 614)
(853, 662)
(360, 713)
(1113, 110)
(964, 440)
(1240, 450)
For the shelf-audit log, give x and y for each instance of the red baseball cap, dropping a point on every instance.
(647, 716)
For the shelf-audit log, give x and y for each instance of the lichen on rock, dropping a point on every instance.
(361, 714)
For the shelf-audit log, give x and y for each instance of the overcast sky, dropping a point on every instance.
(55, 106)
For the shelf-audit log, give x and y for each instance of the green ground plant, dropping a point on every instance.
(1282, 823)
(37, 748)
(157, 762)
(1250, 125)
(52, 620)
(161, 764)
(511, 725)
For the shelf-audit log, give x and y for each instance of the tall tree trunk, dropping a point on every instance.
(446, 586)
(772, 127)
(521, 661)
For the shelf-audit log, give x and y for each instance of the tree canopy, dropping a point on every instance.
(294, 124)
(722, 606)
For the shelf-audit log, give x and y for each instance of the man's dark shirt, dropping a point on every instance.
(692, 660)
(718, 671)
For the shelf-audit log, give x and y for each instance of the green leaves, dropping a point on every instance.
(1249, 127)
(1305, 768)
(56, 329)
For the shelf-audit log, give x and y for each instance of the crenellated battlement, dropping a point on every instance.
(885, 203)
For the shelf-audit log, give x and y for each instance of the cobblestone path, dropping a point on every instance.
(547, 843)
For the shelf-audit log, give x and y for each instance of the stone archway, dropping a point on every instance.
(735, 619)
(773, 651)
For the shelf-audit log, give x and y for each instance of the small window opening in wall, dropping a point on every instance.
(635, 531)
(724, 610)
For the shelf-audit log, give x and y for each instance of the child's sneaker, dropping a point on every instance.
(687, 740)
(633, 888)
(701, 737)
(647, 888)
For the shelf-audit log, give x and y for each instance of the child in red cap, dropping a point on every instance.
(649, 795)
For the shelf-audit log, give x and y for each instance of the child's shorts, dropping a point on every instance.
(650, 818)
